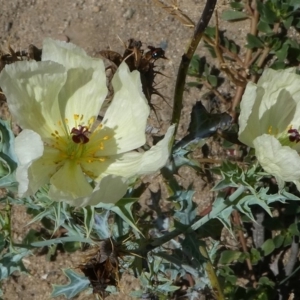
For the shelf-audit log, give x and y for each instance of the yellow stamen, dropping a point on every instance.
(91, 121)
(270, 130)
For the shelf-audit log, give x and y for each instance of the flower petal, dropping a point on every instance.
(127, 114)
(69, 181)
(109, 189)
(273, 81)
(85, 89)
(68, 55)
(28, 147)
(270, 105)
(31, 89)
(246, 106)
(279, 161)
(280, 115)
(134, 163)
(43, 168)
(82, 96)
(158, 155)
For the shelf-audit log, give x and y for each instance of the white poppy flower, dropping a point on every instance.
(270, 122)
(56, 102)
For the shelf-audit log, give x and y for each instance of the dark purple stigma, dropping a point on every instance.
(294, 135)
(79, 136)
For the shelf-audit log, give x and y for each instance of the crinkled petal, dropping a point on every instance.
(273, 81)
(70, 181)
(125, 165)
(23, 181)
(279, 116)
(109, 189)
(279, 85)
(158, 155)
(127, 114)
(32, 89)
(96, 168)
(28, 147)
(82, 96)
(43, 168)
(85, 89)
(270, 105)
(69, 55)
(246, 105)
(277, 160)
(102, 142)
(134, 163)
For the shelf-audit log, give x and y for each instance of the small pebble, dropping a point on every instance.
(96, 8)
(129, 13)
(8, 26)
(163, 44)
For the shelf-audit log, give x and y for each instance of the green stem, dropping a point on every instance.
(187, 57)
(209, 268)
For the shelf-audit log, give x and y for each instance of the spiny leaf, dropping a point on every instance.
(77, 283)
(181, 157)
(101, 225)
(12, 261)
(188, 209)
(123, 209)
(7, 140)
(89, 219)
(8, 159)
(61, 240)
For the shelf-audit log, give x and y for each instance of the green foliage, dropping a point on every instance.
(77, 283)
(202, 71)
(8, 160)
(11, 261)
(233, 15)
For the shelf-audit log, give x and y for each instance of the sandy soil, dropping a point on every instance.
(96, 25)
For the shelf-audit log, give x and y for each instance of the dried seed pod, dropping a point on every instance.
(102, 266)
(32, 53)
(144, 62)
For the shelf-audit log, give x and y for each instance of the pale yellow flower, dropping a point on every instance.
(270, 122)
(56, 103)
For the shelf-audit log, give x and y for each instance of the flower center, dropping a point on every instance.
(81, 145)
(79, 136)
(294, 135)
(290, 137)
